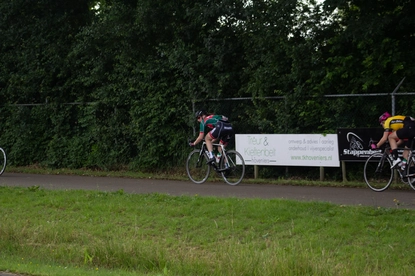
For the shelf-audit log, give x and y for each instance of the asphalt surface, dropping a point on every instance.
(335, 195)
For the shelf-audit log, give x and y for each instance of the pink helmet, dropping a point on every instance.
(383, 117)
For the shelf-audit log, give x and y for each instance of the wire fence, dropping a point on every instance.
(393, 102)
(228, 106)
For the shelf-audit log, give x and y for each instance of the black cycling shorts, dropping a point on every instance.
(222, 130)
(407, 132)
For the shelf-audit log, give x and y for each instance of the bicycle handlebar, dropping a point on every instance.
(371, 141)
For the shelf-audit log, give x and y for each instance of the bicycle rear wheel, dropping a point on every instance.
(196, 167)
(377, 172)
(233, 166)
(410, 172)
(3, 161)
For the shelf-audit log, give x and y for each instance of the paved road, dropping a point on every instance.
(343, 196)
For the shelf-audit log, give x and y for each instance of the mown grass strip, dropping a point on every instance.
(47, 232)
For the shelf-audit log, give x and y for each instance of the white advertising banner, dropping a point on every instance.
(309, 150)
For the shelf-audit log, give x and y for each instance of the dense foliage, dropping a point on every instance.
(115, 83)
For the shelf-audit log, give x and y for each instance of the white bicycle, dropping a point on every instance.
(231, 165)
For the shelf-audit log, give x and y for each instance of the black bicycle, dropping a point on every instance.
(379, 174)
(230, 165)
(3, 161)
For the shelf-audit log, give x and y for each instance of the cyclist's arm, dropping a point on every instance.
(199, 138)
(384, 138)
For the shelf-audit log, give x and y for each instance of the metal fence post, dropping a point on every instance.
(344, 171)
(393, 96)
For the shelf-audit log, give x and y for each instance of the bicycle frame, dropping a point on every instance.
(382, 161)
(387, 155)
(204, 150)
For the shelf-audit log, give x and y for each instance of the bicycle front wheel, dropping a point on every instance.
(3, 161)
(377, 172)
(196, 167)
(232, 167)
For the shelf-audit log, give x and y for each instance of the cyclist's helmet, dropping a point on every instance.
(200, 113)
(383, 117)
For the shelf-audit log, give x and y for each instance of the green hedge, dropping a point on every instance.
(115, 85)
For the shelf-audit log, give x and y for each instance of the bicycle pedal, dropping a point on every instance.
(211, 161)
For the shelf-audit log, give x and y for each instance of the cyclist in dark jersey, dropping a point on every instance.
(212, 127)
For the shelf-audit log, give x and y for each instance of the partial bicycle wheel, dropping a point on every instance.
(377, 172)
(232, 167)
(196, 167)
(3, 161)
(410, 172)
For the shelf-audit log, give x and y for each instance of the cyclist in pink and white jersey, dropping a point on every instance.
(212, 128)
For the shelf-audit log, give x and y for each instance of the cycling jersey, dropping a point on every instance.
(394, 123)
(209, 122)
(218, 127)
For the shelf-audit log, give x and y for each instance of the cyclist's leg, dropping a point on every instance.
(407, 132)
(406, 150)
(402, 133)
(213, 135)
(392, 138)
(223, 142)
(409, 142)
(225, 138)
(209, 141)
(225, 135)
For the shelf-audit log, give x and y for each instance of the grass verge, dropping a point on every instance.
(45, 232)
